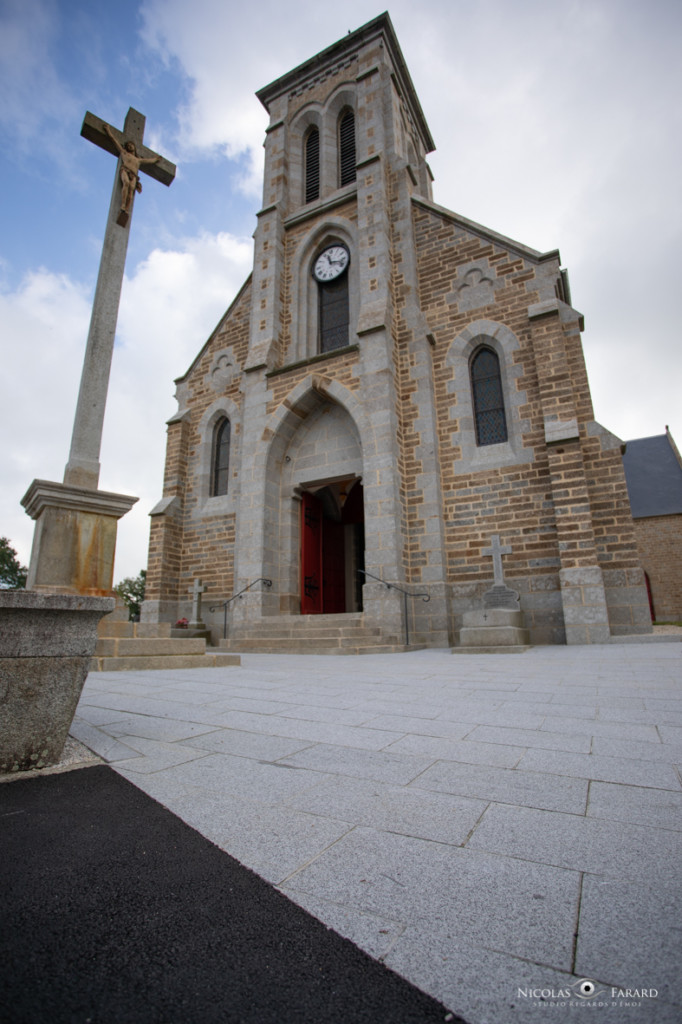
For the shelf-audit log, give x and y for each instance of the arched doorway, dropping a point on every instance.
(332, 548)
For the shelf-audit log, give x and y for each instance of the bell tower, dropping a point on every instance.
(346, 136)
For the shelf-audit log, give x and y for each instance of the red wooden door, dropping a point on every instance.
(311, 555)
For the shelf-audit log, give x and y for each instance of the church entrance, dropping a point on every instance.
(332, 548)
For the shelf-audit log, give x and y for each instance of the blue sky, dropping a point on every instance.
(556, 123)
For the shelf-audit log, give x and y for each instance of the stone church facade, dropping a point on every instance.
(393, 387)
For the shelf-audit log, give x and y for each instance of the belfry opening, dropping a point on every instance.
(332, 548)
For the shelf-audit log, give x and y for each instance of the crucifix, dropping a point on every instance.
(82, 469)
(497, 551)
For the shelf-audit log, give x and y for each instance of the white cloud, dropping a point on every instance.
(169, 305)
(45, 323)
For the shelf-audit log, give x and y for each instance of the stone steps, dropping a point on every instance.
(313, 634)
(300, 646)
(124, 646)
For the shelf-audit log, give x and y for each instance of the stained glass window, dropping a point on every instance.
(221, 457)
(486, 386)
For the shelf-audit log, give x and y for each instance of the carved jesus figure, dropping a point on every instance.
(130, 165)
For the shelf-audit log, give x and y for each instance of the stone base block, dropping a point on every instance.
(46, 641)
(75, 537)
(490, 617)
(494, 636)
(492, 628)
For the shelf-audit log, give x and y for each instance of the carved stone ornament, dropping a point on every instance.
(223, 370)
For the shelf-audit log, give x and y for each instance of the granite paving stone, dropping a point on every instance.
(157, 755)
(530, 789)
(593, 845)
(411, 812)
(381, 766)
(594, 727)
(249, 744)
(577, 742)
(602, 769)
(245, 778)
(656, 808)
(157, 728)
(454, 730)
(609, 746)
(101, 742)
(469, 752)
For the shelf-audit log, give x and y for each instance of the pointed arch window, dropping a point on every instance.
(334, 315)
(220, 464)
(347, 148)
(312, 165)
(488, 397)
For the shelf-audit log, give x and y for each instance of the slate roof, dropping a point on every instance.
(654, 476)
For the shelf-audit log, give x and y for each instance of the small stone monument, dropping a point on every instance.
(196, 627)
(497, 627)
(196, 591)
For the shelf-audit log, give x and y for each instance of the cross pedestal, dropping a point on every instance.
(75, 536)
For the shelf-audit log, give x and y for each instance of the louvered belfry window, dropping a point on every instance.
(221, 457)
(312, 165)
(486, 386)
(347, 148)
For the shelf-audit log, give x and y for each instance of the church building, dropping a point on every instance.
(395, 394)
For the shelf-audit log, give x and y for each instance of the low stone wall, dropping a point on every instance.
(46, 642)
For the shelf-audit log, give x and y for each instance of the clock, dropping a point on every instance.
(331, 263)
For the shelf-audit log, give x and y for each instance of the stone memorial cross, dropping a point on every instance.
(82, 469)
(196, 590)
(496, 551)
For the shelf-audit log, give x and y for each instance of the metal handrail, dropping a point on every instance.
(261, 579)
(394, 586)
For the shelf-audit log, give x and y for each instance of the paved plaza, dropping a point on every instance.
(496, 829)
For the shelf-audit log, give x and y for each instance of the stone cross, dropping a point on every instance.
(196, 590)
(82, 469)
(497, 551)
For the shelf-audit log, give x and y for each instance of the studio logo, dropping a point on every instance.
(585, 992)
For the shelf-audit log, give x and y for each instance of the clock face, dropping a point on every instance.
(331, 263)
